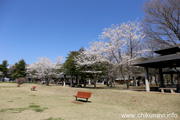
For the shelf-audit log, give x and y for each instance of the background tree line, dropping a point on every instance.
(16, 71)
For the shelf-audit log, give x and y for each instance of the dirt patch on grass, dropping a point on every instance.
(51, 118)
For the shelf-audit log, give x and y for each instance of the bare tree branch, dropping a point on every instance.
(162, 21)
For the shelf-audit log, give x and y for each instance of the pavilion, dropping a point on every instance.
(168, 58)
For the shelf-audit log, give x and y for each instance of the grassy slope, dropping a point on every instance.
(20, 103)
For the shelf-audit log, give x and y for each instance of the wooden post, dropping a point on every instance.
(161, 78)
(162, 90)
(172, 82)
(178, 84)
(147, 79)
(172, 91)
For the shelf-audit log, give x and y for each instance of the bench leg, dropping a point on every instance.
(86, 99)
(172, 91)
(76, 98)
(162, 90)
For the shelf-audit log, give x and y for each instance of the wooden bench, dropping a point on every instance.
(171, 89)
(85, 95)
(33, 88)
(154, 87)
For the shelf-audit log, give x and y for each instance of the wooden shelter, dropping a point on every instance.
(168, 58)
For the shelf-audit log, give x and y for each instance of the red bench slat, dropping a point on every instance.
(33, 88)
(81, 94)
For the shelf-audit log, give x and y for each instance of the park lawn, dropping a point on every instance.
(57, 103)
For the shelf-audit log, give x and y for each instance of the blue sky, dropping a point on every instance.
(50, 28)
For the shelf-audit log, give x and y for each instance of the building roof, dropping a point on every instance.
(167, 51)
(170, 57)
(172, 71)
(172, 60)
(121, 78)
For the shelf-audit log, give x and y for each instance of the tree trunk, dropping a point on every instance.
(128, 81)
(71, 81)
(108, 81)
(95, 83)
(111, 81)
(103, 81)
(114, 82)
(134, 81)
(47, 81)
(77, 80)
(84, 83)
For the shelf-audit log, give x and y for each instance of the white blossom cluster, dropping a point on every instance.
(118, 45)
(44, 68)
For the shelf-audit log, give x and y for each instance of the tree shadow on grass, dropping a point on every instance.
(103, 87)
(33, 90)
(153, 91)
(96, 88)
(139, 90)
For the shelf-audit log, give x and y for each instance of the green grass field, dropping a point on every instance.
(57, 103)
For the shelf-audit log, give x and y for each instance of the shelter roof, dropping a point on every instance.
(172, 71)
(172, 60)
(170, 57)
(167, 51)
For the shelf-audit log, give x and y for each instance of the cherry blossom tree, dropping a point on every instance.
(120, 46)
(91, 60)
(132, 33)
(45, 68)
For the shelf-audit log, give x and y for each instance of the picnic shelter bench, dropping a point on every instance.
(172, 88)
(33, 88)
(84, 95)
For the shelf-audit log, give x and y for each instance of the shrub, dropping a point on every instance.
(21, 80)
